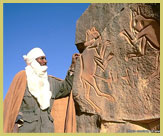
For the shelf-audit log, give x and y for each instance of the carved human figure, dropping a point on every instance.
(90, 59)
(145, 30)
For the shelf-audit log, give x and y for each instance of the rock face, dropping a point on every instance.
(117, 78)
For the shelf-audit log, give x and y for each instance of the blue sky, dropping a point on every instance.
(48, 26)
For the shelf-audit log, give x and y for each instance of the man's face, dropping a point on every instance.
(42, 60)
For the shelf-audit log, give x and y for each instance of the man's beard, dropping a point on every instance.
(38, 83)
(38, 69)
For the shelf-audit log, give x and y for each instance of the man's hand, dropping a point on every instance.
(74, 59)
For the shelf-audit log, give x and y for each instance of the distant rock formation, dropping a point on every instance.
(117, 78)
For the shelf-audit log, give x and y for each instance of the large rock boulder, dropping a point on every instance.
(117, 78)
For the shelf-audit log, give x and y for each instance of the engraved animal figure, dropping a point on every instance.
(90, 59)
(145, 31)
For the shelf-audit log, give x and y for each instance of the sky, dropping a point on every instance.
(49, 26)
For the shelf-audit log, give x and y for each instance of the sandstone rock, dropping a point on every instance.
(117, 78)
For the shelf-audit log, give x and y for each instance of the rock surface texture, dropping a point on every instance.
(117, 77)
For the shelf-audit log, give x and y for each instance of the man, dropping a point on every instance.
(29, 101)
